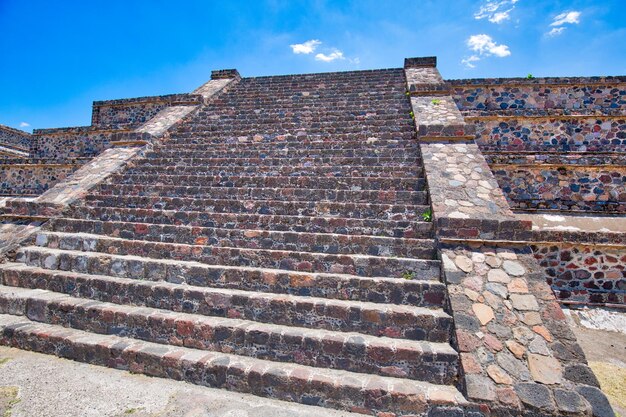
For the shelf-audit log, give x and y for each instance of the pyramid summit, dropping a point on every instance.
(385, 242)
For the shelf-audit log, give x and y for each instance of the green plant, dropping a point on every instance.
(409, 275)
(427, 215)
(435, 101)
(412, 115)
(407, 92)
(530, 77)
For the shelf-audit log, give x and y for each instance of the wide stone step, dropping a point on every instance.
(325, 285)
(425, 322)
(326, 161)
(361, 265)
(292, 142)
(273, 207)
(276, 194)
(252, 239)
(294, 170)
(292, 152)
(187, 135)
(350, 351)
(336, 183)
(307, 385)
(308, 224)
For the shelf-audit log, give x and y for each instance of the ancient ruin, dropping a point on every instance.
(385, 242)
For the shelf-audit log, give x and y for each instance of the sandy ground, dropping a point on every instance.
(36, 385)
(602, 335)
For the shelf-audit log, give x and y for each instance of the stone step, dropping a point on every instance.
(290, 208)
(350, 351)
(187, 135)
(307, 385)
(252, 239)
(324, 285)
(360, 265)
(328, 161)
(291, 142)
(291, 152)
(308, 224)
(425, 321)
(294, 170)
(336, 183)
(276, 194)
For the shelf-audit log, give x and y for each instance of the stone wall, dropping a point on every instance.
(14, 138)
(583, 273)
(69, 142)
(32, 177)
(133, 112)
(549, 134)
(574, 93)
(563, 187)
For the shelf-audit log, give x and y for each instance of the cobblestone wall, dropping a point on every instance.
(595, 134)
(31, 177)
(585, 273)
(69, 142)
(133, 112)
(541, 93)
(564, 187)
(14, 138)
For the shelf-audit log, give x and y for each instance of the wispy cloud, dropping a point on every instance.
(24, 124)
(565, 18)
(336, 54)
(469, 61)
(306, 48)
(483, 46)
(496, 11)
(327, 54)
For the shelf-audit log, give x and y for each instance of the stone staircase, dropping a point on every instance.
(275, 245)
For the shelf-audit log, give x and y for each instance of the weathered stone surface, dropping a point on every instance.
(480, 388)
(535, 395)
(483, 312)
(582, 374)
(570, 402)
(544, 369)
(498, 275)
(498, 375)
(525, 302)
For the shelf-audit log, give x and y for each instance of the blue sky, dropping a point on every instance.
(59, 56)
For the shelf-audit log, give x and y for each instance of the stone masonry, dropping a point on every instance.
(337, 240)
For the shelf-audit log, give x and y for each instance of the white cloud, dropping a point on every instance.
(556, 31)
(567, 17)
(24, 124)
(496, 11)
(336, 54)
(485, 46)
(307, 47)
(469, 62)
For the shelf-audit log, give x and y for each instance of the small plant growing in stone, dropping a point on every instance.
(409, 275)
(412, 115)
(530, 77)
(435, 102)
(427, 215)
(407, 93)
